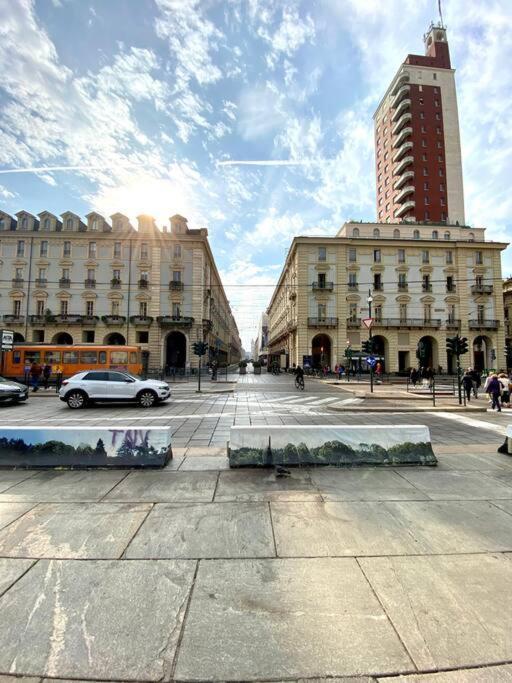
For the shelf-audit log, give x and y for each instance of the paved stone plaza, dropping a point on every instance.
(201, 573)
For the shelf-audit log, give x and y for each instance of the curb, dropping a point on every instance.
(405, 409)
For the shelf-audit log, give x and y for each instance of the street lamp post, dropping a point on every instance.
(369, 300)
(348, 356)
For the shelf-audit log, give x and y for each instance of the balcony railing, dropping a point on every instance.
(143, 284)
(452, 324)
(402, 92)
(322, 322)
(407, 206)
(407, 322)
(353, 322)
(482, 289)
(403, 286)
(176, 286)
(18, 283)
(13, 319)
(426, 287)
(207, 325)
(403, 134)
(378, 286)
(401, 122)
(407, 190)
(403, 164)
(483, 324)
(353, 287)
(68, 319)
(451, 289)
(41, 282)
(323, 286)
(404, 147)
(113, 319)
(115, 283)
(141, 320)
(181, 320)
(403, 106)
(408, 175)
(90, 319)
(90, 284)
(64, 283)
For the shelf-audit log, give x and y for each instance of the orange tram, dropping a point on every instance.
(72, 359)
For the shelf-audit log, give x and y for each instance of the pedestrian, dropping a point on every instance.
(505, 393)
(413, 376)
(467, 383)
(341, 371)
(378, 371)
(477, 381)
(26, 372)
(47, 371)
(35, 374)
(59, 370)
(486, 387)
(430, 377)
(494, 389)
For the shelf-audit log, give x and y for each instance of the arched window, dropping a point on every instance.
(355, 232)
(2, 224)
(46, 224)
(24, 223)
(396, 233)
(69, 224)
(416, 234)
(119, 224)
(376, 232)
(447, 235)
(435, 235)
(95, 224)
(471, 237)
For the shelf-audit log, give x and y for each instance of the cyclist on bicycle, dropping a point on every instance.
(299, 375)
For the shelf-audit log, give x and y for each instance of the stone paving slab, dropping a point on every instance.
(505, 505)
(73, 531)
(11, 511)
(456, 485)
(254, 619)
(205, 530)
(364, 484)
(491, 674)
(450, 611)
(477, 462)
(10, 571)
(165, 487)
(106, 620)
(72, 486)
(19, 679)
(9, 478)
(262, 485)
(357, 529)
(204, 462)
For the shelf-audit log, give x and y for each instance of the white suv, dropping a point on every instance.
(110, 385)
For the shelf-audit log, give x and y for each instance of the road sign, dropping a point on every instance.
(367, 322)
(372, 362)
(6, 340)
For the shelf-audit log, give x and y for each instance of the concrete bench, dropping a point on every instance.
(341, 446)
(83, 447)
(507, 445)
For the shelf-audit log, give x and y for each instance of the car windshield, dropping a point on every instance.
(5, 381)
(135, 377)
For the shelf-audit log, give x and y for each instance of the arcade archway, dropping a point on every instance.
(175, 350)
(482, 353)
(62, 338)
(321, 350)
(426, 353)
(115, 339)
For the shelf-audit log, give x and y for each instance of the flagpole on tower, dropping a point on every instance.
(440, 12)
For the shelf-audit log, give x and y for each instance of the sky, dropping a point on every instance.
(152, 101)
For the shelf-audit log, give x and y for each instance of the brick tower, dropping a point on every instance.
(417, 140)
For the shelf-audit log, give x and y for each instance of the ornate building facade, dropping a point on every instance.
(426, 283)
(65, 280)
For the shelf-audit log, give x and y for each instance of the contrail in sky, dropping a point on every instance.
(274, 162)
(46, 169)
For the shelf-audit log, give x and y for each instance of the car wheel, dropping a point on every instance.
(147, 398)
(76, 399)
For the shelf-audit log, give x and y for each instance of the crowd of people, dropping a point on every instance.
(40, 375)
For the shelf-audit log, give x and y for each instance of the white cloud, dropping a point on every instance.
(6, 194)
(291, 34)
(261, 111)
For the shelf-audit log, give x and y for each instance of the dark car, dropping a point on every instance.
(12, 392)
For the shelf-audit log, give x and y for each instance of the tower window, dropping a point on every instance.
(438, 116)
(425, 171)
(434, 76)
(422, 114)
(436, 103)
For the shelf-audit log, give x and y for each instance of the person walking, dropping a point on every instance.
(477, 381)
(47, 371)
(58, 369)
(413, 376)
(26, 372)
(35, 374)
(494, 389)
(467, 383)
(378, 371)
(505, 393)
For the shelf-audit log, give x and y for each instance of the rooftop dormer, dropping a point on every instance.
(120, 222)
(49, 222)
(146, 224)
(26, 221)
(178, 225)
(71, 222)
(97, 223)
(7, 222)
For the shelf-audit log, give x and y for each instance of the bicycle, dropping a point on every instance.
(299, 383)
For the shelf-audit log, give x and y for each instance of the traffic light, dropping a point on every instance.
(451, 345)
(508, 355)
(463, 346)
(199, 348)
(367, 346)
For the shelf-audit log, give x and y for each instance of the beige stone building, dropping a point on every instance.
(65, 280)
(426, 282)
